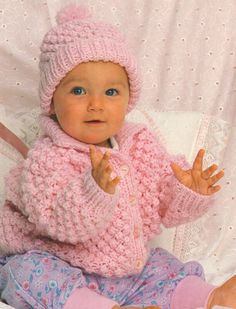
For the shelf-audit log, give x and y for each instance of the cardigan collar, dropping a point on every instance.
(121, 141)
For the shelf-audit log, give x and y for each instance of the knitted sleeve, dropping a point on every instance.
(163, 199)
(60, 198)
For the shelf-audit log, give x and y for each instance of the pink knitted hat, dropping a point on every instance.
(77, 39)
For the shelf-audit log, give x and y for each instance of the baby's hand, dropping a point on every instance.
(101, 170)
(196, 179)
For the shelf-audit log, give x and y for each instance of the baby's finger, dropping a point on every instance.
(209, 171)
(105, 177)
(95, 156)
(104, 162)
(114, 182)
(216, 178)
(214, 189)
(197, 164)
(177, 170)
(92, 149)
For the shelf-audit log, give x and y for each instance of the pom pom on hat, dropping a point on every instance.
(72, 12)
(77, 39)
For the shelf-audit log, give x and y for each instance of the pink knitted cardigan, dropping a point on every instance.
(54, 204)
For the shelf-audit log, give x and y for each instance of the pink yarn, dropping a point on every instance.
(72, 12)
(54, 204)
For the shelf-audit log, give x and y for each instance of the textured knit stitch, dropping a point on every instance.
(77, 39)
(54, 204)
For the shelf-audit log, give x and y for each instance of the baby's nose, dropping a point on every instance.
(96, 103)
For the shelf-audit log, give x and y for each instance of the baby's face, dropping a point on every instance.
(91, 101)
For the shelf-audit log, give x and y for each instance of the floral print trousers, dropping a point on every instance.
(39, 280)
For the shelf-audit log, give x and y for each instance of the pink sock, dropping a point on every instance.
(191, 293)
(85, 298)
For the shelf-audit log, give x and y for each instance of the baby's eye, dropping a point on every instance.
(112, 92)
(78, 91)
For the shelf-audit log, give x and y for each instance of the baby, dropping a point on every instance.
(95, 189)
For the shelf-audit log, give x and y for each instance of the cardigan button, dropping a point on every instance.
(139, 264)
(124, 169)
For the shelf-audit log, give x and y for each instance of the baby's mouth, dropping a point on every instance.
(94, 121)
